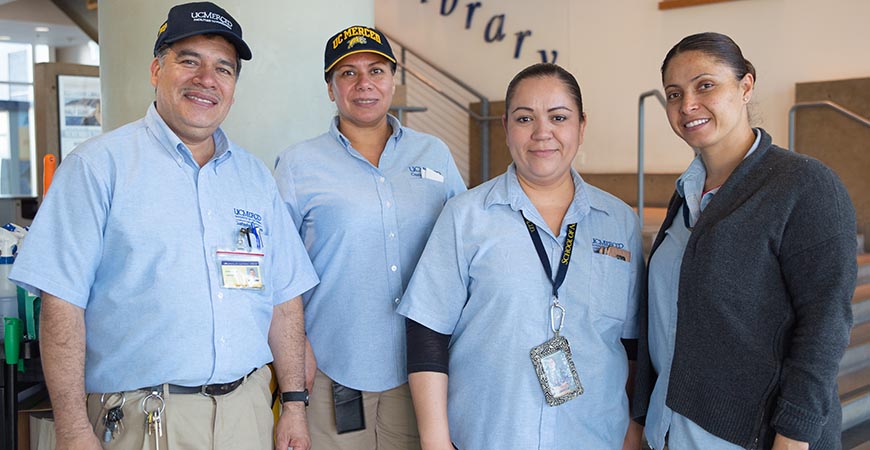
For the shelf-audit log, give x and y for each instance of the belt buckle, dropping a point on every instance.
(204, 390)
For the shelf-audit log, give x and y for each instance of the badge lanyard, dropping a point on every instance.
(557, 311)
(552, 360)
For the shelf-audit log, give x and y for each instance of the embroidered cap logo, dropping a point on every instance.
(205, 16)
(357, 40)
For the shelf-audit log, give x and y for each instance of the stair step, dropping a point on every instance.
(860, 335)
(863, 269)
(862, 292)
(861, 312)
(858, 352)
(857, 437)
(856, 409)
(853, 382)
(855, 358)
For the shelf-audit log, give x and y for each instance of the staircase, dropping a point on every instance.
(854, 379)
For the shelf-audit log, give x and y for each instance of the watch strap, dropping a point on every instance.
(295, 396)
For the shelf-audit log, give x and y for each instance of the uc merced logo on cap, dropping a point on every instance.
(208, 16)
(354, 32)
(357, 40)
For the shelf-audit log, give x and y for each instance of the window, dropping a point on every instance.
(17, 134)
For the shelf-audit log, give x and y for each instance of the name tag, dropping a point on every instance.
(556, 371)
(240, 269)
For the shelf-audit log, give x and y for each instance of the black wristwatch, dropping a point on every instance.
(295, 396)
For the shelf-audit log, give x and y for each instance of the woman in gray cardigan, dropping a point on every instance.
(750, 277)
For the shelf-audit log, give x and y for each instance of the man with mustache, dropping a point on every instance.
(148, 339)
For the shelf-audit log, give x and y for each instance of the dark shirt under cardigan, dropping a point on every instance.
(764, 305)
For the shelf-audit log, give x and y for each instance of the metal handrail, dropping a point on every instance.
(640, 147)
(827, 104)
(482, 119)
(422, 78)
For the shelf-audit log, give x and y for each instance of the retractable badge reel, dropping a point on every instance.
(242, 267)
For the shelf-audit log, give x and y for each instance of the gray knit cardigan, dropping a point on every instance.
(764, 305)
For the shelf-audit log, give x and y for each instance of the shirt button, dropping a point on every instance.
(209, 212)
(220, 295)
(389, 204)
(397, 300)
(179, 160)
(394, 268)
(382, 179)
(392, 235)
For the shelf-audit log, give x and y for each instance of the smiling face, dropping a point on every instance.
(706, 102)
(195, 84)
(544, 128)
(362, 87)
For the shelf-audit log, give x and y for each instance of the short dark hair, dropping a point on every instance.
(544, 70)
(160, 54)
(715, 45)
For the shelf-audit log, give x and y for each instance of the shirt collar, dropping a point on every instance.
(692, 180)
(175, 147)
(690, 185)
(507, 191)
(397, 134)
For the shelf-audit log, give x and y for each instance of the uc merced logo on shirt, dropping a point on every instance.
(598, 244)
(247, 218)
(426, 173)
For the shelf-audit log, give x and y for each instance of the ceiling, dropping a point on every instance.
(19, 18)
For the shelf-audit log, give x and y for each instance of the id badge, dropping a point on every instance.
(240, 269)
(556, 371)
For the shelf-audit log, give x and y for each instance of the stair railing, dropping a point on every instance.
(640, 145)
(483, 118)
(824, 104)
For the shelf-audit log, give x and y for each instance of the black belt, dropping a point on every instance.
(208, 390)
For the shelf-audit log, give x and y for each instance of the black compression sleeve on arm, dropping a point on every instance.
(630, 348)
(427, 349)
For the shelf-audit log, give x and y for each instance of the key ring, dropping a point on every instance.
(104, 399)
(156, 395)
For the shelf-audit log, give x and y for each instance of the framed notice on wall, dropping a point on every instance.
(79, 111)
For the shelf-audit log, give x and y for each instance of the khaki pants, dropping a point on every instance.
(390, 420)
(240, 420)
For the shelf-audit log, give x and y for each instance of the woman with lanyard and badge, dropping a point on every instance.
(750, 277)
(526, 289)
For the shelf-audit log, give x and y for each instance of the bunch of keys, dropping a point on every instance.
(114, 418)
(153, 423)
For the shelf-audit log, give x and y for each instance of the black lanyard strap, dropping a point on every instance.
(686, 214)
(542, 254)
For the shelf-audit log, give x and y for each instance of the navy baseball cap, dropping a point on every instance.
(356, 39)
(191, 19)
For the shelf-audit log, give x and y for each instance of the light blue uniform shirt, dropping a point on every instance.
(664, 282)
(481, 281)
(364, 228)
(129, 232)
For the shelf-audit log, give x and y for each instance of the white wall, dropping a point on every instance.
(281, 95)
(615, 48)
(87, 54)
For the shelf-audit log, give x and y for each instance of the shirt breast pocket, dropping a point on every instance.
(609, 286)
